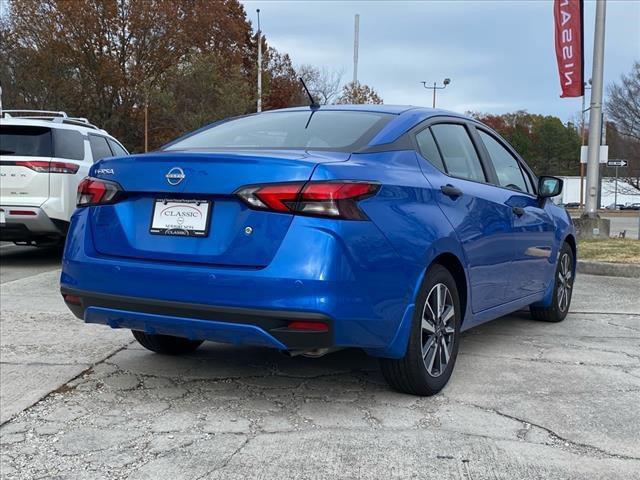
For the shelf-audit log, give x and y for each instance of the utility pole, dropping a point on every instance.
(146, 125)
(356, 46)
(259, 64)
(595, 116)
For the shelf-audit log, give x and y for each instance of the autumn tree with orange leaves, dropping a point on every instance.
(192, 61)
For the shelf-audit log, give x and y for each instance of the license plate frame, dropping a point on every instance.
(157, 227)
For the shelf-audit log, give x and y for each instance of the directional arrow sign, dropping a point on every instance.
(617, 163)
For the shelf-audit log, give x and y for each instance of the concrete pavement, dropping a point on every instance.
(527, 400)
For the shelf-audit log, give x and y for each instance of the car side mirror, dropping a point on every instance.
(549, 187)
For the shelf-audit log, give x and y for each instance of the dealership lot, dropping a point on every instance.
(527, 399)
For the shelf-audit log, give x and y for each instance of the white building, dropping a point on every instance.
(626, 193)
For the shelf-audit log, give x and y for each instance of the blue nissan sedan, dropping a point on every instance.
(386, 228)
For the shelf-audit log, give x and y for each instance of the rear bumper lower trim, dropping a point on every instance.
(24, 227)
(205, 322)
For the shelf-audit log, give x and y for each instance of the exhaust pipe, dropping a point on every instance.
(313, 353)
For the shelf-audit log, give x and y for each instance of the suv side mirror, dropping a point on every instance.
(549, 187)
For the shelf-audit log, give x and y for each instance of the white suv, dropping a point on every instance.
(43, 157)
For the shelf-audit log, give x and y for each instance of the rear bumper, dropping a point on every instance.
(267, 328)
(343, 272)
(29, 223)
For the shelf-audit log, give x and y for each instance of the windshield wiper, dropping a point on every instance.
(7, 152)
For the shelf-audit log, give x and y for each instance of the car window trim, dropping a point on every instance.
(449, 120)
(489, 159)
(419, 152)
(521, 163)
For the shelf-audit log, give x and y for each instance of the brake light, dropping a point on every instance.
(93, 191)
(335, 199)
(42, 166)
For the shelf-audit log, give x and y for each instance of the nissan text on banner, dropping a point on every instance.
(567, 16)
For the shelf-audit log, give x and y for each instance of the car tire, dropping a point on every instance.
(433, 342)
(562, 290)
(166, 344)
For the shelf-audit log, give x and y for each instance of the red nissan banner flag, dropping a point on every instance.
(569, 29)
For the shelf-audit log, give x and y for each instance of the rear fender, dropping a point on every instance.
(398, 346)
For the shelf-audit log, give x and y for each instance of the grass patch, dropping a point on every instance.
(617, 250)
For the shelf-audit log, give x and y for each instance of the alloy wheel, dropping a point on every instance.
(565, 282)
(438, 330)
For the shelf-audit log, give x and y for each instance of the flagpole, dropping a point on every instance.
(595, 114)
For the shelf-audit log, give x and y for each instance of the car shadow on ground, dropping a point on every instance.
(23, 256)
(216, 362)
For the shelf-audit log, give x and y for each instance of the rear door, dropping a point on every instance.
(25, 154)
(476, 209)
(533, 227)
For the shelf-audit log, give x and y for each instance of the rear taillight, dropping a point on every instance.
(93, 191)
(337, 199)
(42, 166)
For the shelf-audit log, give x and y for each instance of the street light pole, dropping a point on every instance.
(595, 116)
(259, 64)
(435, 87)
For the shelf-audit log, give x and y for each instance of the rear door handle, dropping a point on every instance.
(451, 191)
(519, 211)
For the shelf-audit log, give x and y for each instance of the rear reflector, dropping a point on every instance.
(306, 326)
(42, 166)
(336, 199)
(93, 191)
(22, 212)
(72, 299)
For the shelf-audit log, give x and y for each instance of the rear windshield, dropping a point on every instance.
(320, 130)
(23, 140)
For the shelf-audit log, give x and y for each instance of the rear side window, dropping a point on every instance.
(320, 129)
(116, 148)
(459, 155)
(507, 167)
(99, 147)
(25, 141)
(429, 149)
(68, 144)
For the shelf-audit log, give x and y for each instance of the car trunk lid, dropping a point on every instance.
(237, 236)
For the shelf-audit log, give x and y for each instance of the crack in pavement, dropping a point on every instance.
(547, 361)
(228, 460)
(62, 385)
(554, 435)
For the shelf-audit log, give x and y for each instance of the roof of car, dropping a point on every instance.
(49, 123)
(392, 109)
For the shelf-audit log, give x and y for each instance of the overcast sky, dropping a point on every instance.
(499, 54)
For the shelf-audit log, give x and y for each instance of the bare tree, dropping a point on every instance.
(623, 109)
(324, 84)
